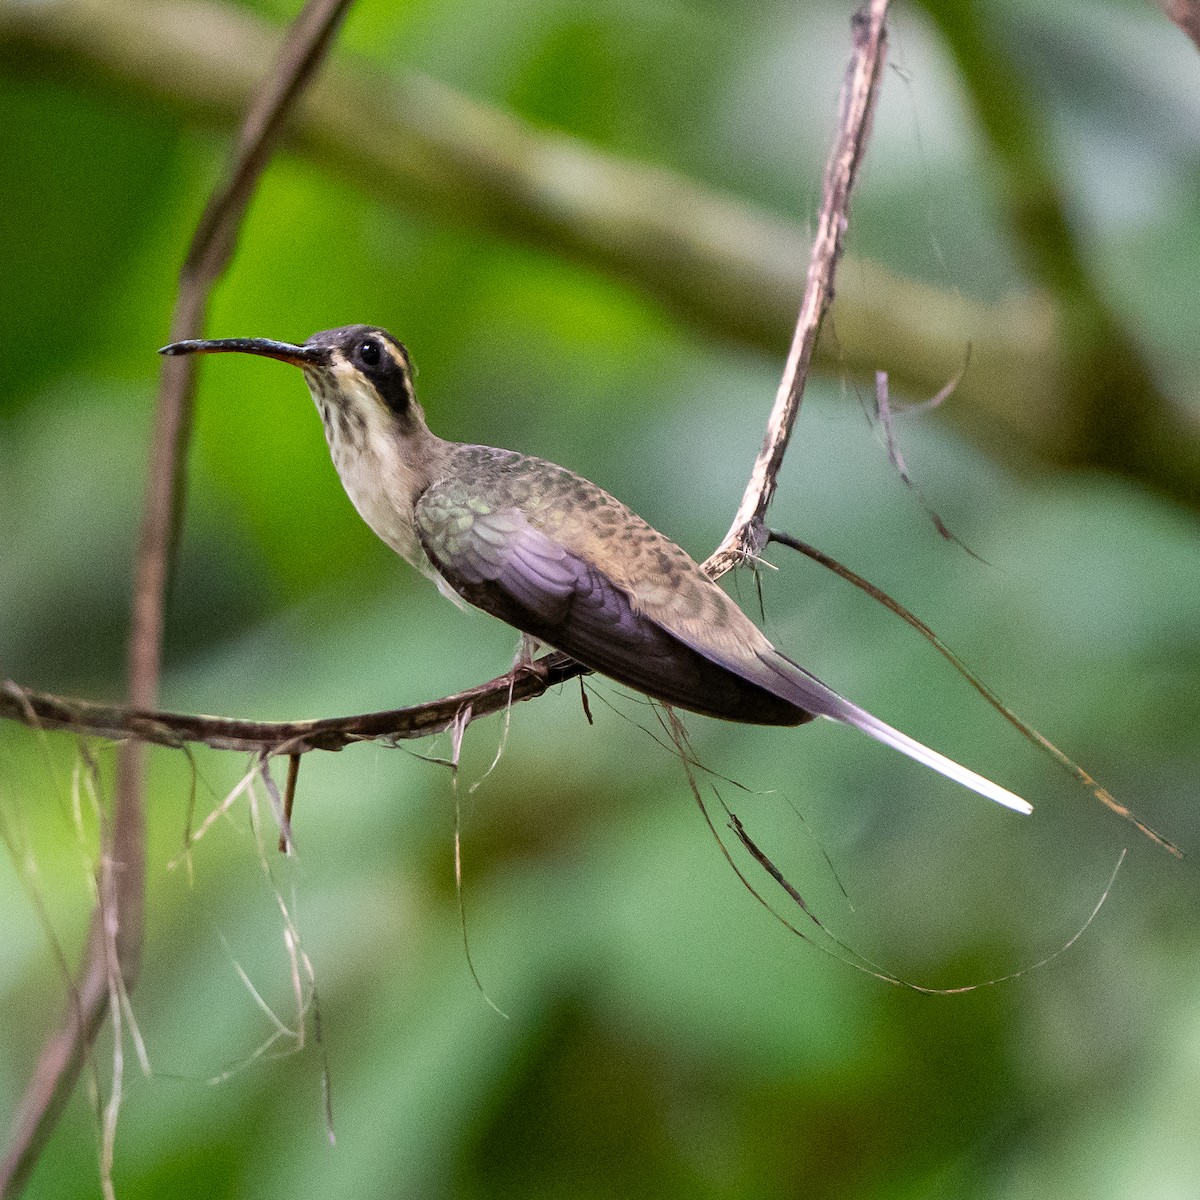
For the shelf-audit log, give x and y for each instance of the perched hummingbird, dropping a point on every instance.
(551, 553)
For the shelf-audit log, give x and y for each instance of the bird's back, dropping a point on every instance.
(560, 558)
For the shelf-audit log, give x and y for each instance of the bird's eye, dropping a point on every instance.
(370, 353)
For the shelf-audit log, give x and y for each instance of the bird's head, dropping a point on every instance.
(360, 378)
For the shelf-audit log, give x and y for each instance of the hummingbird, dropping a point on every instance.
(551, 553)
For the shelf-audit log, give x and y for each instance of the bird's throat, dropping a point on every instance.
(383, 464)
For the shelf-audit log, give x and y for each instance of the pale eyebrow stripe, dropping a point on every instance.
(398, 355)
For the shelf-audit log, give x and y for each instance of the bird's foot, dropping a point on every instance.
(524, 663)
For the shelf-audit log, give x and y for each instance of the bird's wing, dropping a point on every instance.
(496, 560)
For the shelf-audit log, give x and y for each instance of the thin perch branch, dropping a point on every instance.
(1023, 727)
(43, 711)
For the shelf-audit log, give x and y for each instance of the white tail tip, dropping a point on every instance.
(861, 719)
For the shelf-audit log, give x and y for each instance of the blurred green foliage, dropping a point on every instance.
(666, 1037)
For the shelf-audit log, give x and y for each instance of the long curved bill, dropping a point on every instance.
(300, 356)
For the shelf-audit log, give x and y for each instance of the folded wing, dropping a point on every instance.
(497, 561)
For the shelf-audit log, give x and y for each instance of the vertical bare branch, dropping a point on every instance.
(747, 535)
(116, 930)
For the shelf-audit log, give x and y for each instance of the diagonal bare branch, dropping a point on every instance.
(748, 535)
(43, 711)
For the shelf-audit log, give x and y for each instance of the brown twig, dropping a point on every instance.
(1026, 730)
(747, 535)
(282, 737)
(115, 937)
(289, 804)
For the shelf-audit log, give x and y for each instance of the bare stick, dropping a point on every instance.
(1026, 730)
(747, 535)
(41, 710)
(115, 936)
(289, 803)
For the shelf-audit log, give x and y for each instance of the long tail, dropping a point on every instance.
(811, 694)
